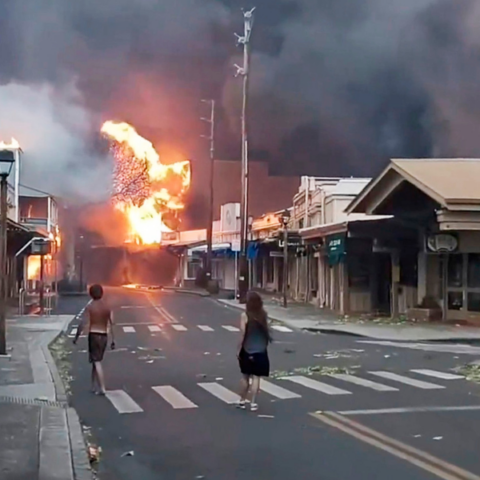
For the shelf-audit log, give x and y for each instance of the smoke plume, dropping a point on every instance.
(337, 87)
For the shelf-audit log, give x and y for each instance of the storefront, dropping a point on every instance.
(440, 199)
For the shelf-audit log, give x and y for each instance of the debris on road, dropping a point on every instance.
(334, 354)
(437, 438)
(317, 369)
(131, 453)
(219, 379)
(265, 416)
(471, 372)
(206, 353)
(417, 436)
(94, 453)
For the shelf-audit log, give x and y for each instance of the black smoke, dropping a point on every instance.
(337, 86)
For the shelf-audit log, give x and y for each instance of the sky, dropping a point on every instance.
(337, 87)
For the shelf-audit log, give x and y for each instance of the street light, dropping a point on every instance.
(284, 219)
(7, 159)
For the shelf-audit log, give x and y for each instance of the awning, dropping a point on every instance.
(215, 248)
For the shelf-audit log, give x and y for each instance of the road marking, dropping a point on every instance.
(379, 387)
(428, 347)
(436, 374)
(123, 402)
(282, 328)
(220, 392)
(175, 398)
(277, 391)
(169, 318)
(128, 329)
(419, 458)
(179, 328)
(73, 332)
(205, 328)
(316, 385)
(387, 411)
(154, 328)
(407, 381)
(230, 328)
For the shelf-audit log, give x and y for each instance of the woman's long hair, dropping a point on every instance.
(256, 312)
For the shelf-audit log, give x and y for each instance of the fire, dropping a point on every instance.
(33, 267)
(10, 146)
(144, 187)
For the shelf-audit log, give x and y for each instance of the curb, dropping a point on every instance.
(78, 448)
(187, 292)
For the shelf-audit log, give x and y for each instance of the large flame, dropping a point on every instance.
(144, 187)
(10, 146)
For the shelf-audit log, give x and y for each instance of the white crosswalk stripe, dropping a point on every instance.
(407, 381)
(175, 398)
(316, 385)
(123, 402)
(219, 391)
(154, 328)
(379, 387)
(282, 328)
(179, 328)
(205, 328)
(276, 391)
(437, 374)
(231, 328)
(128, 329)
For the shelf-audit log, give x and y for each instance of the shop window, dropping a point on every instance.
(359, 271)
(473, 271)
(455, 300)
(455, 271)
(474, 301)
(193, 266)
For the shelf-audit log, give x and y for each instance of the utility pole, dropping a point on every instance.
(211, 138)
(245, 72)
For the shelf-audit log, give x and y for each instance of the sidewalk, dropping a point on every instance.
(40, 436)
(308, 317)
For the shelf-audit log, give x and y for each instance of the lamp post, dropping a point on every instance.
(7, 159)
(285, 218)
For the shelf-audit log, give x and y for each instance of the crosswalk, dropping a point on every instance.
(292, 387)
(157, 328)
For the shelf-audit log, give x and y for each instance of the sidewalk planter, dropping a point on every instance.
(418, 314)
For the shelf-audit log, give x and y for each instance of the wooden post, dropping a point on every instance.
(395, 281)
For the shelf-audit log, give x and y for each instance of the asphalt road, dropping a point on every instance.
(174, 373)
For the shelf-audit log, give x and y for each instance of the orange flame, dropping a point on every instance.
(159, 188)
(33, 267)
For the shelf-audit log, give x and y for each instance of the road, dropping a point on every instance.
(174, 375)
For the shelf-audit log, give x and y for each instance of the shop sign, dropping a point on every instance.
(335, 248)
(293, 240)
(442, 243)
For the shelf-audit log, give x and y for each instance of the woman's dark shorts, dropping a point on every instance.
(256, 364)
(97, 344)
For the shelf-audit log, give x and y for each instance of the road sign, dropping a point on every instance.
(235, 245)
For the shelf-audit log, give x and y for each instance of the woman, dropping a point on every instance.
(253, 353)
(98, 322)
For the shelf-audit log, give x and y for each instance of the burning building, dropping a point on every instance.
(148, 192)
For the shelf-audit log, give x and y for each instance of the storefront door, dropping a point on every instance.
(463, 282)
